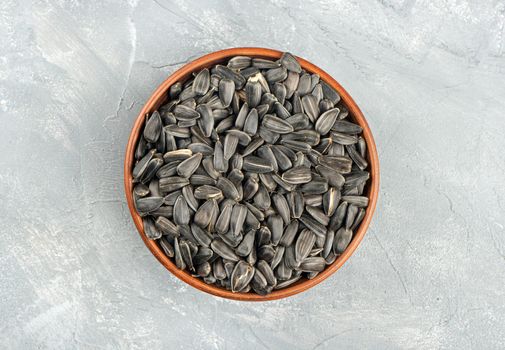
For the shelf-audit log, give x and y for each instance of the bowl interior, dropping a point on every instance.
(159, 97)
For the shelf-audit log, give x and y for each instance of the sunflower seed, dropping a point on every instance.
(296, 203)
(359, 201)
(309, 136)
(288, 106)
(175, 90)
(177, 131)
(329, 93)
(207, 192)
(359, 218)
(172, 197)
(203, 215)
(342, 239)
(142, 164)
(326, 121)
(257, 165)
(304, 85)
(247, 244)
(313, 264)
(148, 204)
(188, 166)
(328, 243)
(262, 198)
(181, 211)
(276, 125)
(343, 139)
(253, 93)
(236, 176)
(297, 146)
(152, 129)
(282, 159)
(356, 157)
(290, 63)
(281, 111)
(179, 262)
(250, 188)
(183, 112)
(334, 179)
(201, 83)
(325, 105)
(263, 236)
(315, 200)
(268, 181)
(313, 225)
(199, 180)
(352, 211)
(346, 127)
(238, 214)
(141, 190)
(228, 188)
(264, 274)
(223, 221)
(266, 252)
(227, 73)
(252, 221)
(361, 145)
(164, 210)
(340, 164)
(282, 207)
(218, 269)
(220, 164)
(268, 135)
(150, 229)
(186, 254)
(317, 92)
(279, 90)
(201, 236)
(239, 62)
(318, 215)
(317, 185)
(297, 175)
(226, 91)
(204, 254)
(206, 121)
(141, 149)
(251, 122)
(167, 227)
(203, 270)
(338, 217)
(241, 276)
(282, 272)
(208, 165)
(304, 244)
(279, 254)
(202, 148)
(167, 247)
(275, 225)
(262, 63)
(266, 153)
(223, 250)
(310, 107)
(299, 121)
(230, 145)
(330, 201)
(180, 154)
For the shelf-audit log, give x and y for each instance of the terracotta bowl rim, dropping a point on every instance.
(158, 97)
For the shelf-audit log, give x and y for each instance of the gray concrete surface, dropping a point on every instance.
(430, 78)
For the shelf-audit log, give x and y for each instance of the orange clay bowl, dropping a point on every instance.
(159, 97)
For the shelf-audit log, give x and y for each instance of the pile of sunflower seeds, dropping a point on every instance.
(251, 176)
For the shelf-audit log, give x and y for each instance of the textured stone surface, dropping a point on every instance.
(430, 78)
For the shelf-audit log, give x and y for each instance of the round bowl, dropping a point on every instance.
(159, 97)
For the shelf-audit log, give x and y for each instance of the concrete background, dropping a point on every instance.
(428, 75)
